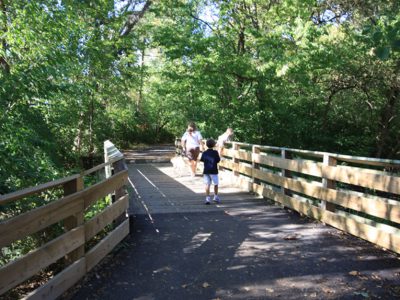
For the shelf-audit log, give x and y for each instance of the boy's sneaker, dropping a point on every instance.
(216, 199)
(207, 200)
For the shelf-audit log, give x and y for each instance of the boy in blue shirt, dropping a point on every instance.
(211, 158)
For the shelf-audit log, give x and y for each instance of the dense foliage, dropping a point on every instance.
(320, 75)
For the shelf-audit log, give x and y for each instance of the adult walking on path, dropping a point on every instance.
(223, 138)
(191, 145)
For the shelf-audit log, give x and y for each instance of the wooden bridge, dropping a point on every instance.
(260, 243)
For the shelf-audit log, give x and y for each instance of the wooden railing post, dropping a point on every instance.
(235, 147)
(178, 150)
(255, 166)
(119, 166)
(327, 183)
(286, 173)
(74, 221)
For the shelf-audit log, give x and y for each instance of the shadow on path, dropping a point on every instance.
(259, 251)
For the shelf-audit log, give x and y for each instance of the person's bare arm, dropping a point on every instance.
(183, 144)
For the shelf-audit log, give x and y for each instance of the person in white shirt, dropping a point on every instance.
(191, 144)
(223, 138)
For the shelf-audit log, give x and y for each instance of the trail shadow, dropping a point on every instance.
(252, 252)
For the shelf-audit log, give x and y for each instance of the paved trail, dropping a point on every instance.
(245, 248)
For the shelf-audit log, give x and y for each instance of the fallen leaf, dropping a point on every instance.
(269, 290)
(328, 291)
(376, 277)
(184, 286)
(291, 237)
(206, 285)
(354, 273)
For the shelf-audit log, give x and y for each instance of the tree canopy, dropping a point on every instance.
(319, 75)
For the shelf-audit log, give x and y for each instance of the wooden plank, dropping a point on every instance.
(367, 232)
(380, 182)
(229, 152)
(74, 220)
(316, 154)
(376, 206)
(95, 255)
(305, 166)
(371, 161)
(351, 175)
(269, 177)
(296, 165)
(60, 283)
(4, 199)
(243, 155)
(255, 166)
(286, 173)
(99, 167)
(227, 164)
(25, 224)
(236, 148)
(225, 152)
(330, 184)
(56, 211)
(97, 223)
(96, 168)
(25, 267)
(242, 169)
(237, 167)
(105, 187)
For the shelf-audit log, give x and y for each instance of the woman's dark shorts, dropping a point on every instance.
(193, 153)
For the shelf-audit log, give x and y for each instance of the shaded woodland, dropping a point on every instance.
(317, 75)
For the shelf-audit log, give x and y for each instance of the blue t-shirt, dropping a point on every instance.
(210, 158)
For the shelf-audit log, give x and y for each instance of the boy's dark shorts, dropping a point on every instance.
(193, 153)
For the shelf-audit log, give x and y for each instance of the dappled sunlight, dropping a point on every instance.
(195, 184)
(196, 242)
(243, 248)
(252, 248)
(235, 268)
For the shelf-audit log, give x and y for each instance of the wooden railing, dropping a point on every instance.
(358, 195)
(83, 242)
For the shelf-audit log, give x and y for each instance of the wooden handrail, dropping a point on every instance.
(371, 161)
(4, 199)
(69, 210)
(322, 186)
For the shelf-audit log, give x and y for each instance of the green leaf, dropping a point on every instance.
(396, 45)
(382, 52)
(377, 37)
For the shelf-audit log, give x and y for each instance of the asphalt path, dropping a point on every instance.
(243, 248)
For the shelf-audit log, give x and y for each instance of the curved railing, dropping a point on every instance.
(84, 240)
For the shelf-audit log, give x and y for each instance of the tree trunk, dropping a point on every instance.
(387, 117)
(140, 98)
(3, 29)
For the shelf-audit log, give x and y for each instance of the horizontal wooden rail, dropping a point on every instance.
(362, 198)
(69, 211)
(4, 199)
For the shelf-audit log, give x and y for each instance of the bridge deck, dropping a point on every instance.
(245, 248)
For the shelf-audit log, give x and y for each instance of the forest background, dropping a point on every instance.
(318, 75)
